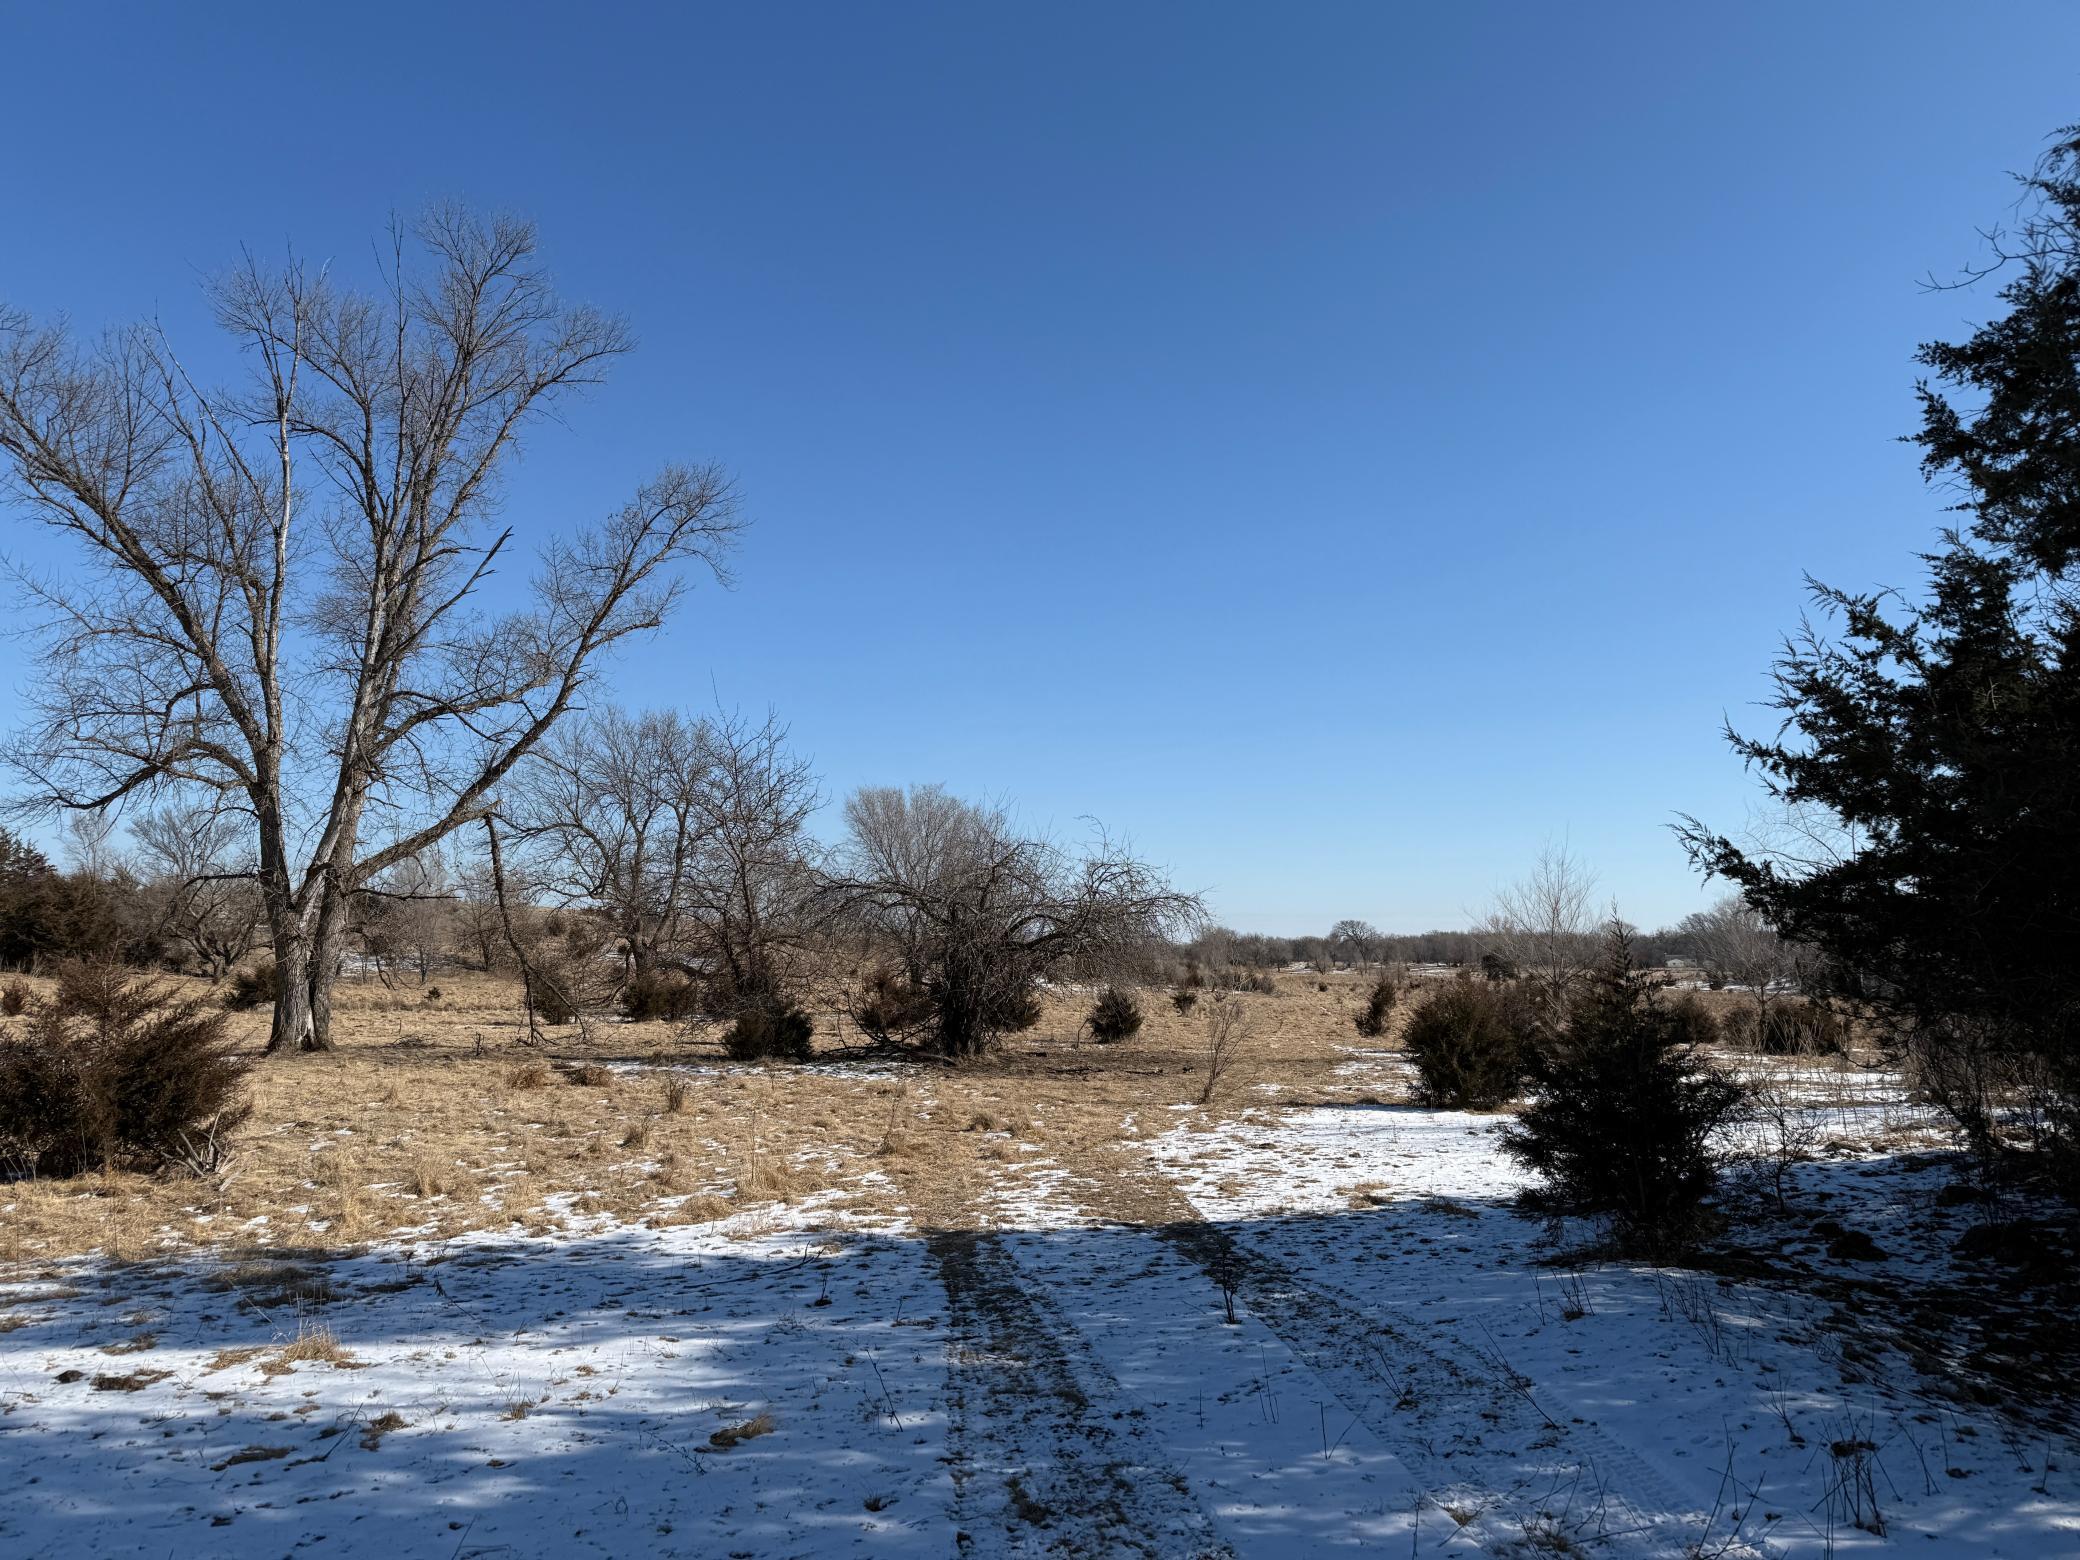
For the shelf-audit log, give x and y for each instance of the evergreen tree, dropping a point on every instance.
(1945, 739)
(1624, 1110)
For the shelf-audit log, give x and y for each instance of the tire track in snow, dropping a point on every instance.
(1438, 1407)
(1043, 1457)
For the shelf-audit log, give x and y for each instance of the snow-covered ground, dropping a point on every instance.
(1630, 1406)
(1341, 1340)
(499, 1396)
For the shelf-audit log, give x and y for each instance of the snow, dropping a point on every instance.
(1355, 1346)
(1698, 1393)
(557, 1397)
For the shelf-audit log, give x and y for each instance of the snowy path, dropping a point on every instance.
(1678, 1409)
(1040, 1444)
(1317, 1419)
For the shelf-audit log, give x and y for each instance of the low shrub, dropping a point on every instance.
(1471, 1044)
(1371, 1019)
(115, 1072)
(1790, 1026)
(660, 994)
(252, 988)
(1114, 1017)
(1184, 1000)
(551, 989)
(1696, 1024)
(15, 998)
(888, 1005)
(1623, 1115)
(774, 1031)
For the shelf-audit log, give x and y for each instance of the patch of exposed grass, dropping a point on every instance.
(251, 1454)
(312, 1345)
(373, 1432)
(135, 1381)
(749, 1430)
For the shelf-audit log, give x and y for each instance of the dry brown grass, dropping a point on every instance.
(749, 1430)
(228, 1359)
(251, 1454)
(381, 1136)
(312, 1345)
(268, 1283)
(373, 1432)
(133, 1381)
(431, 1177)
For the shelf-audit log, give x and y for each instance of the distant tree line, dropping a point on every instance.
(1691, 939)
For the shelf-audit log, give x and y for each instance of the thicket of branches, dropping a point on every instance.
(967, 914)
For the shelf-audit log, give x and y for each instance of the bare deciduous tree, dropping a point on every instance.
(281, 594)
(607, 808)
(1231, 1027)
(1738, 948)
(90, 846)
(1357, 941)
(197, 862)
(689, 835)
(754, 886)
(979, 913)
(404, 915)
(1547, 928)
(478, 918)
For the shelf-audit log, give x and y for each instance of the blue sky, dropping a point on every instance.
(1341, 447)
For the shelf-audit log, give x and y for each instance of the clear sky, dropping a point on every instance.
(1340, 447)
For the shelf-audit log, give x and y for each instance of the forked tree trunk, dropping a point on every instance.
(292, 1029)
(306, 961)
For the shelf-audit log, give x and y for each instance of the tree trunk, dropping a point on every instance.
(324, 968)
(291, 1030)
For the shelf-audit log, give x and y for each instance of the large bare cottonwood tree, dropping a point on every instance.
(286, 595)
